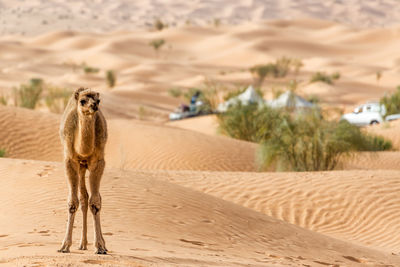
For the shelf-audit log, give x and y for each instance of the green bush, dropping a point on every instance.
(296, 141)
(2, 152)
(392, 102)
(216, 22)
(279, 69)
(309, 143)
(88, 69)
(157, 44)
(28, 95)
(249, 122)
(3, 100)
(159, 25)
(323, 77)
(313, 99)
(111, 78)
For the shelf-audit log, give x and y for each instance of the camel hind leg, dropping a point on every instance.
(73, 202)
(96, 171)
(83, 199)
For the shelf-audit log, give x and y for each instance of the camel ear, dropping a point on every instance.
(97, 95)
(77, 92)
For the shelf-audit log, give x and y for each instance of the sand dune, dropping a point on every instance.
(358, 206)
(21, 138)
(102, 16)
(177, 193)
(132, 144)
(193, 55)
(151, 222)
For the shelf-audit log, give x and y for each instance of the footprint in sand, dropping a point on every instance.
(47, 170)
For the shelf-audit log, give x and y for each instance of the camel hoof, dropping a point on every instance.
(101, 251)
(82, 247)
(63, 250)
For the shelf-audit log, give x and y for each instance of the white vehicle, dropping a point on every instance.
(370, 113)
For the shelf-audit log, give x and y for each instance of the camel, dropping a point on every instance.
(83, 133)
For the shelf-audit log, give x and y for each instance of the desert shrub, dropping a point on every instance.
(142, 112)
(359, 140)
(296, 141)
(323, 77)
(313, 99)
(216, 22)
(306, 143)
(261, 72)
(2, 152)
(175, 92)
(392, 102)
(335, 76)
(249, 122)
(28, 95)
(279, 69)
(111, 78)
(157, 44)
(88, 69)
(159, 25)
(3, 100)
(282, 67)
(56, 99)
(297, 65)
(309, 143)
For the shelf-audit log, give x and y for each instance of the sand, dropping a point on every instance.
(34, 17)
(179, 193)
(193, 55)
(148, 221)
(131, 145)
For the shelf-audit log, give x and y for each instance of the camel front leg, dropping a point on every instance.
(96, 171)
(71, 168)
(83, 199)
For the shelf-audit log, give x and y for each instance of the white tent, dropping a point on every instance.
(247, 97)
(289, 100)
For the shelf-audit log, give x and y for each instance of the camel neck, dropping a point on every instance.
(84, 144)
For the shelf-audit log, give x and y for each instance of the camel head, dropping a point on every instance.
(88, 101)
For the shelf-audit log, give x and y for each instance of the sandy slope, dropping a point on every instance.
(149, 218)
(203, 124)
(358, 206)
(132, 144)
(150, 222)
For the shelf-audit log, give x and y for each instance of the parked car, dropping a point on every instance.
(370, 113)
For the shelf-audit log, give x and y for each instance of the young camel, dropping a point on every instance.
(83, 133)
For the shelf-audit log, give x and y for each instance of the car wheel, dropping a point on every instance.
(374, 122)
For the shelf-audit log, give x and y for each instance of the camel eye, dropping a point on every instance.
(83, 102)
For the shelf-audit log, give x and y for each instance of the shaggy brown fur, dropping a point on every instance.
(83, 132)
